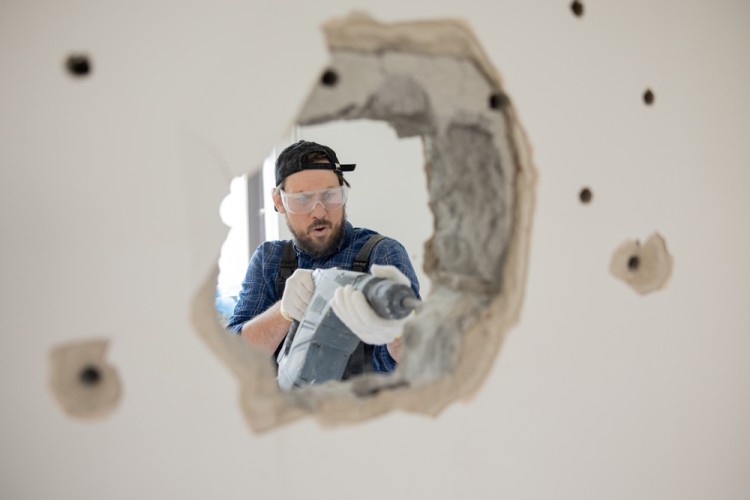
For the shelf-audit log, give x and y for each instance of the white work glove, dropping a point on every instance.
(354, 311)
(297, 294)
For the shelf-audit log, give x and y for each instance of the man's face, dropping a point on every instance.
(319, 232)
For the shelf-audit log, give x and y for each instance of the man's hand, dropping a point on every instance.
(354, 311)
(389, 272)
(297, 294)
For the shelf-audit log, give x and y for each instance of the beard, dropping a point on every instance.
(316, 247)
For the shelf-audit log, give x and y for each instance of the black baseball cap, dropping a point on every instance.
(294, 159)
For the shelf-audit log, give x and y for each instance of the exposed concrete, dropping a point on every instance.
(429, 79)
(645, 268)
(82, 381)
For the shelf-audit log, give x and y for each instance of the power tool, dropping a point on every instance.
(317, 348)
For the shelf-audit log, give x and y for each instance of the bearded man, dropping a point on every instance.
(311, 194)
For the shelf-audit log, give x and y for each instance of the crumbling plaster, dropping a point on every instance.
(83, 382)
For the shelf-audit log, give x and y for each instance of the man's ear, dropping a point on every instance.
(277, 201)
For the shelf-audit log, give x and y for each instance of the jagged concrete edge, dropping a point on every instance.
(266, 407)
(482, 342)
(360, 32)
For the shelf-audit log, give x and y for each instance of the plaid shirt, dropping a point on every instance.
(259, 287)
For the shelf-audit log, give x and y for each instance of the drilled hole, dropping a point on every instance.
(329, 78)
(634, 263)
(585, 195)
(577, 8)
(498, 100)
(90, 375)
(648, 97)
(78, 65)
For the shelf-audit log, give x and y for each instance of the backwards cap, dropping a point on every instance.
(293, 160)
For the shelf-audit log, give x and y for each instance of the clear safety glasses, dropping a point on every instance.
(304, 202)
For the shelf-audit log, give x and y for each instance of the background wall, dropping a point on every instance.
(109, 194)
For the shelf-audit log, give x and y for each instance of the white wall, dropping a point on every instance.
(109, 196)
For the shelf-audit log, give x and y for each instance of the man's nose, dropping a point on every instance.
(318, 209)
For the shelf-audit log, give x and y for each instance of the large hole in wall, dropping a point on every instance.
(431, 83)
(389, 195)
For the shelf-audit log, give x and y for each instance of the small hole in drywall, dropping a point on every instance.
(90, 375)
(577, 8)
(498, 100)
(329, 78)
(78, 65)
(585, 195)
(634, 263)
(648, 97)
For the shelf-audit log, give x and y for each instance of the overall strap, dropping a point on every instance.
(288, 263)
(287, 266)
(359, 362)
(362, 258)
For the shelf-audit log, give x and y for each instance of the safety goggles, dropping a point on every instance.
(304, 202)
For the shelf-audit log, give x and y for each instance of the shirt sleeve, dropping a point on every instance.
(256, 295)
(382, 362)
(390, 252)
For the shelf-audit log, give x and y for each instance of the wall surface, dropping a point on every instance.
(109, 194)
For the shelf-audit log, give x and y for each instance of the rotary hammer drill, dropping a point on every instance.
(318, 348)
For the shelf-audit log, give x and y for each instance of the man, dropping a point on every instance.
(311, 193)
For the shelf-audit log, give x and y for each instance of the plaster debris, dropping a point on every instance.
(82, 381)
(646, 268)
(428, 79)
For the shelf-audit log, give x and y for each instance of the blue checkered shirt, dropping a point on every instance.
(259, 287)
